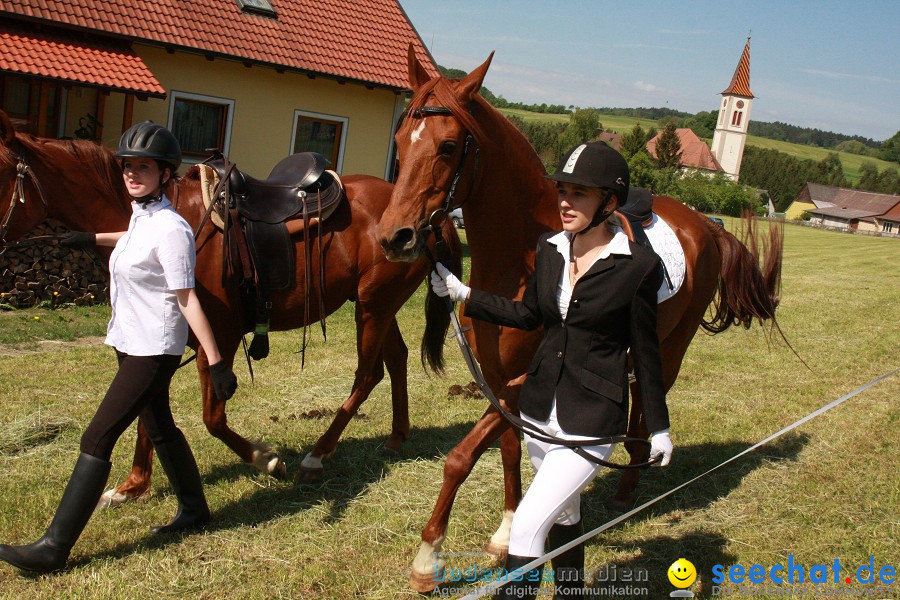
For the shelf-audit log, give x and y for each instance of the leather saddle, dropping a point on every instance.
(638, 213)
(298, 187)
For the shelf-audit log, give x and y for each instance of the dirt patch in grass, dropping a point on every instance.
(49, 346)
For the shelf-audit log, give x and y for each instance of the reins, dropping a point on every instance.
(517, 422)
(468, 356)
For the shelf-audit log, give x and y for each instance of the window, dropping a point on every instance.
(324, 134)
(887, 227)
(736, 118)
(200, 123)
(260, 7)
(32, 105)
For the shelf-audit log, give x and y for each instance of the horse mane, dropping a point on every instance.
(97, 161)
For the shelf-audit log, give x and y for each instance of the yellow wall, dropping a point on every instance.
(264, 105)
(796, 209)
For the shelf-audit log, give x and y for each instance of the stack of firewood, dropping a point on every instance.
(47, 274)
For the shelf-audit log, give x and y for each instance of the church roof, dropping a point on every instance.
(740, 82)
(694, 151)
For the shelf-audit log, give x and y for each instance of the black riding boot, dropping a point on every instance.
(178, 462)
(568, 567)
(527, 586)
(83, 491)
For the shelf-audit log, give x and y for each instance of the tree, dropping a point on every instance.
(890, 148)
(634, 141)
(584, 125)
(668, 148)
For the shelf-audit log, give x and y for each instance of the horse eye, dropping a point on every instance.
(448, 148)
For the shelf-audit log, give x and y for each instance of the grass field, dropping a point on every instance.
(620, 124)
(826, 491)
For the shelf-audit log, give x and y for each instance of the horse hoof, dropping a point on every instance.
(495, 552)
(424, 583)
(112, 498)
(617, 506)
(278, 470)
(305, 475)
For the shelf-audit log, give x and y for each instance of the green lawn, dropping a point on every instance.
(827, 491)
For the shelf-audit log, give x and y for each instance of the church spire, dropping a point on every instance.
(740, 82)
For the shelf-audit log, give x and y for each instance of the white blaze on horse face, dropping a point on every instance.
(417, 133)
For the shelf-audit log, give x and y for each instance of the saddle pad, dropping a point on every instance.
(665, 243)
(209, 179)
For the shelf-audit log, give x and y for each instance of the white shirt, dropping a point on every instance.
(562, 240)
(155, 257)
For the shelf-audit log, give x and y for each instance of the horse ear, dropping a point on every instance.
(471, 83)
(7, 131)
(418, 76)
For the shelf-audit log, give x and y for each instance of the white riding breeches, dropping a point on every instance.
(555, 494)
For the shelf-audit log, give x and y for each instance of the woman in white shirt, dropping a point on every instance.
(153, 304)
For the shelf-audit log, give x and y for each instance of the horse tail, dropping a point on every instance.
(746, 290)
(437, 319)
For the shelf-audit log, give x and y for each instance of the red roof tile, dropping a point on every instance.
(740, 82)
(694, 151)
(71, 57)
(845, 199)
(363, 40)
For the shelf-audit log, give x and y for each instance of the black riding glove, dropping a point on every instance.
(77, 239)
(223, 380)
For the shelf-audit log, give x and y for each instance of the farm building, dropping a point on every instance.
(849, 209)
(257, 79)
(695, 154)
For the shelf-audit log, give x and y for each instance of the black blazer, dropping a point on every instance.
(582, 360)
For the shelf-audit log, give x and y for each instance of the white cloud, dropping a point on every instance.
(647, 87)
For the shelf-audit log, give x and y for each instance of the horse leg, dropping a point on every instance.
(395, 355)
(511, 456)
(137, 486)
(370, 333)
(460, 461)
(258, 454)
(672, 350)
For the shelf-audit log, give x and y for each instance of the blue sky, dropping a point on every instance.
(825, 64)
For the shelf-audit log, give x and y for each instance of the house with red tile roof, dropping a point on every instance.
(695, 154)
(259, 79)
(847, 209)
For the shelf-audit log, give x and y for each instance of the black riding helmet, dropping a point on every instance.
(595, 165)
(149, 140)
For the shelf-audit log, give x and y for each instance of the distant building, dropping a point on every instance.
(695, 154)
(848, 209)
(734, 118)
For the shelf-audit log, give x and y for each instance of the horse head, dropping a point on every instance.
(21, 204)
(77, 182)
(438, 145)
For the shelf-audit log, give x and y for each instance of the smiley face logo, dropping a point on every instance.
(682, 573)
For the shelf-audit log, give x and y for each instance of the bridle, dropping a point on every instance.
(18, 197)
(447, 205)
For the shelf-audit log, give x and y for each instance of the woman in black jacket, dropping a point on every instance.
(595, 294)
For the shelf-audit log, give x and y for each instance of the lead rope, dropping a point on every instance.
(517, 422)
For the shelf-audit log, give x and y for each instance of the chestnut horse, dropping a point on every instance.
(80, 184)
(507, 203)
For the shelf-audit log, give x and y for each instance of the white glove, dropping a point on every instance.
(661, 443)
(445, 283)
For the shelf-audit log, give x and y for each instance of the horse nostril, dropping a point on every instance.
(405, 238)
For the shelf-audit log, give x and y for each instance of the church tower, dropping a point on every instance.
(734, 118)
